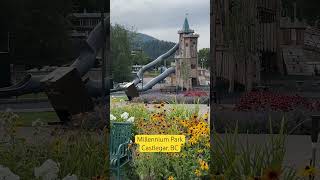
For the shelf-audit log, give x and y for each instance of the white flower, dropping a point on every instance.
(124, 115)
(112, 117)
(37, 122)
(131, 119)
(70, 177)
(6, 174)
(48, 170)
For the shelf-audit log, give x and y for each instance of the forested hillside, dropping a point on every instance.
(151, 46)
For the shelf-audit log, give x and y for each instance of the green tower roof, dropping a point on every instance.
(186, 28)
(186, 25)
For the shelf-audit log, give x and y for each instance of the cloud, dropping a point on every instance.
(163, 18)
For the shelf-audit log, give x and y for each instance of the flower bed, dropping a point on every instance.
(191, 162)
(262, 101)
(195, 93)
(256, 112)
(187, 98)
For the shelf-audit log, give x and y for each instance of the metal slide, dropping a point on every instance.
(164, 56)
(157, 79)
(138, 79)
(86, 60)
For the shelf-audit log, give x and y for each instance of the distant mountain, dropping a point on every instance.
(156, 48)
(153, 47)
(144, 37)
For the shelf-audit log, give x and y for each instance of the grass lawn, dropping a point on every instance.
(26, 118)
(118, 99)
(151, 73)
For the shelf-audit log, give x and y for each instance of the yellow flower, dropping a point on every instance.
(308, 171)
(200, 151)
(205, 116)
(192, 141)
(207, 144)
(197, 172)
(203, 165)
(170, 178)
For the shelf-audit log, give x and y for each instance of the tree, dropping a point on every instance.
(140, 58)
(203, 57)
(121, 53)
(155, 48)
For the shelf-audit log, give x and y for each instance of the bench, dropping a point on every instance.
(120, 154)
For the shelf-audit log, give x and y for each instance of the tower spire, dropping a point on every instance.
(186, 27)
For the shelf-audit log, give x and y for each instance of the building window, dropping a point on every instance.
(186, 44)
(193, 66)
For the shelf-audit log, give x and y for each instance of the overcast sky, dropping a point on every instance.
(163, 18)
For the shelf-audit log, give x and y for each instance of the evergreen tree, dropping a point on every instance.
(121, 53)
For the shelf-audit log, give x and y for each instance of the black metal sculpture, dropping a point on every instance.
(66, 88)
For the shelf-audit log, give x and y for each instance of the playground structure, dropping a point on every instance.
(183, 75)
(70, 91)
